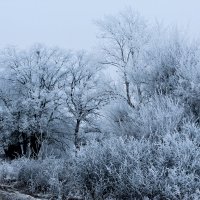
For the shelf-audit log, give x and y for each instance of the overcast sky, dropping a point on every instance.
(69, 23)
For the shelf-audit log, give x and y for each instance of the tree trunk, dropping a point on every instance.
(24, 144)
(128, 93)
(35, 145)
(76, 135)
(139, 94)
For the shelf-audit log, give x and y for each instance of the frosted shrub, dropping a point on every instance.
(6, 172)
(9, 171)
(154, 119)
(192, 130)
(137, 169)
(189, 79)
(160, 116)
(42, 175)
(119, 119)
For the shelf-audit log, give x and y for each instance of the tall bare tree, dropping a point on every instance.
(125, 39)
(84, 92)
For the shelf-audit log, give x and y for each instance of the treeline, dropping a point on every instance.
(132, 136)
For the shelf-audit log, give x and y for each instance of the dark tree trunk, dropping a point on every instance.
(76, 135)
(128, 96)
(24, 143)
(35, 145)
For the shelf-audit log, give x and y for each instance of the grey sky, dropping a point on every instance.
(69, 23)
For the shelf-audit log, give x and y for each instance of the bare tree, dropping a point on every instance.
(85, 93)
(124, 41)
(33, 91)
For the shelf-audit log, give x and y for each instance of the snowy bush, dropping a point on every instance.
(135, 169)
(159, 116)
(9, 171)
(42, 176)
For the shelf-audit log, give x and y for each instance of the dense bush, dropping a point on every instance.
(42, 176)
(167, 169)
(33, 176)
(157, 117)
